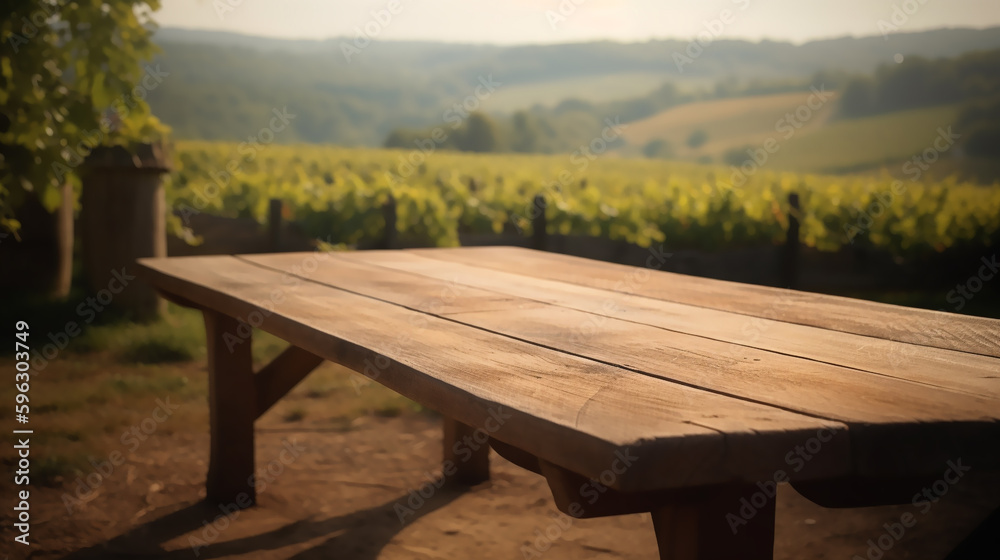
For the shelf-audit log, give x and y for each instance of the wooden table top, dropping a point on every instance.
(702, 381)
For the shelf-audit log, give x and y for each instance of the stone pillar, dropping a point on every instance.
(123, 218)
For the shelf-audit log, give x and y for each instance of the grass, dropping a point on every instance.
(853, 144)
(729, 123)
(178, 337)
(295, 414)
(822, 145)
(115, 374)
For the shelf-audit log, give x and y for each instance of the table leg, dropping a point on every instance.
(468, 450)
(232, 402)
(699, 527)
(983, 542)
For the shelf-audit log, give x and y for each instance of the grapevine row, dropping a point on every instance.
(338, 192)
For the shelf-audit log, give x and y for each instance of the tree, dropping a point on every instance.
(979, 124)
(480, 134)
(737, 156)
(71, 78)
(526, 132)
(399, 139)
(858, 98)
(658, 148)
(697, 139)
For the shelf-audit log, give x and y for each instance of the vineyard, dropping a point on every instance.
(336, 194)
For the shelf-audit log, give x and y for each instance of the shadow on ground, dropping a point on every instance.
(361, 535)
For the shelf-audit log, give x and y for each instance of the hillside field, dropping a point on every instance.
(728, 123)
(846, 145)
(823, 144)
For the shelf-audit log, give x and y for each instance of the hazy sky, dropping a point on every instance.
(534, 21)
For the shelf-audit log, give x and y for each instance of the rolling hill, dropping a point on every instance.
(727, 123)
(599, 89)
(865, 143)
(824, 144)
(221, 86)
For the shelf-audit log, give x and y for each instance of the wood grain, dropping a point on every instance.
(957, 371)
(568, 410)
(889, 322)
(881, 411)
(232, 409)
(277, 378)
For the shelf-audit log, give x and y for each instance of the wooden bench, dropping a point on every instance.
(628, 389)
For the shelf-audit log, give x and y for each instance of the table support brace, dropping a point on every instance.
(695, 523)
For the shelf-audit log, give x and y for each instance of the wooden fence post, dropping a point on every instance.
(389, 214)
(123, 218)
(791, 257)
(539, 235)
(274, 225)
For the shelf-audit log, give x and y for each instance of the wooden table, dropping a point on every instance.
(629, 389)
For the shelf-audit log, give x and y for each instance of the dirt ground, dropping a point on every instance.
(339, 464)
(338, 499)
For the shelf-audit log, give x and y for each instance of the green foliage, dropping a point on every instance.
(156, 352)
(876, 142)
(737, 156)
(224, 86)
(568, 126)
(658, 148)
(697, 139)
(979, 123)
(66, 82)
(400, 139)
(296, 414)
(984, 141)
(179, 336)
(858, 99)
(337, 193)
(525, 132)
(919, 82)
(479, 135)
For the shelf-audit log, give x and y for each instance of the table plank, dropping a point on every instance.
(890, 322)
(857, 398)
(950, 369)
(568, 410)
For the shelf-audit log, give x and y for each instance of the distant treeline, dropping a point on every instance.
(221, 86)
(540, 130)
(972, 80)
(918, 82)
(573, 123)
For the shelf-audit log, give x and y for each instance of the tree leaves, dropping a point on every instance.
(61, 71)
(640, 201)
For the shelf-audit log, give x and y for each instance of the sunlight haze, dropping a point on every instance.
(558, 21)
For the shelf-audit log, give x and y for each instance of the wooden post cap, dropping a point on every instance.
(151, 157)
